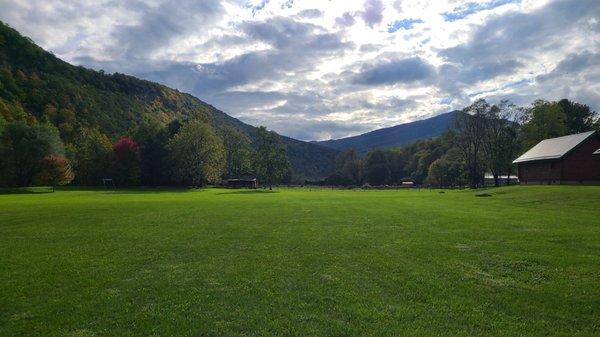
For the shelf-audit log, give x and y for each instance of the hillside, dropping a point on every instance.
(34, 84)
(394, 136)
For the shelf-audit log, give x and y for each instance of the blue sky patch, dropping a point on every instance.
(473, 7)
(403, 24)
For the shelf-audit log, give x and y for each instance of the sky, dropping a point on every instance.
(317, 70)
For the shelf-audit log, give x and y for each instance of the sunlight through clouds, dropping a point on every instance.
(326, 69)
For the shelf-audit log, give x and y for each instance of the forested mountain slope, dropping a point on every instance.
(394, 136)
(36, 85)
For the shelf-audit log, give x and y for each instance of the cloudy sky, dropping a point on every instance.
(323, 69)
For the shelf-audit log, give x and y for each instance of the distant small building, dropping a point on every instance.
(245, 180)
(407, 184)
(572, 159)
(488, 179)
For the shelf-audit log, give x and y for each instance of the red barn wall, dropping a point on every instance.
(540, 172)
(581, 165)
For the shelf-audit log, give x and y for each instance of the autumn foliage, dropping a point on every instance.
(55, 170)
(126, 166)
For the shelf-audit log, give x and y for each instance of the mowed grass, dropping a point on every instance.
(216, 262)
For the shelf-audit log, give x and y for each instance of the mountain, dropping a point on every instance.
(394, 136)
(36, 85)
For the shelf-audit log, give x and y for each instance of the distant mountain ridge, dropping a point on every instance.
(395, 136)
(36, 85)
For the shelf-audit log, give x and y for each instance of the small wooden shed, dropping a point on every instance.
(245, 180)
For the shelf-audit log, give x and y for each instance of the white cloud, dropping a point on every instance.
(316, 69)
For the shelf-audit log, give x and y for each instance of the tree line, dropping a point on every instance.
(189, 153)
(484, 138)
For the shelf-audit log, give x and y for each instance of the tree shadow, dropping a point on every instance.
(152, 190)
(248, 192)
(130, 190)
(25, 190)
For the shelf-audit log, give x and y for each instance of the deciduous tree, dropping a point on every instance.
(126, 165)
(544, 120)
(447, 170)
(578, 117)
(377, 168)
(153, 138)
(55, 170)
(22, 148)
(350, 167)
(271, 157)
(469, 130)
(92, 157)
(237, 151)
(196, 154)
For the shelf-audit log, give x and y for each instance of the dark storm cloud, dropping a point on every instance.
(408, 70)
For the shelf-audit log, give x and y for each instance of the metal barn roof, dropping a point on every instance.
(553, 148)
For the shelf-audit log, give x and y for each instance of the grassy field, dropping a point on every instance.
(214, 262)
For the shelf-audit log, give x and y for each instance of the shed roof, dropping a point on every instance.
(553, 148)
(597, 151)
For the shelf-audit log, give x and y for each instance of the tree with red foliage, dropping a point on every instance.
(54, 170)
(126, 165)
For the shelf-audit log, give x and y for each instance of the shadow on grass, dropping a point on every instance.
(152, 190)
(248, 192)
(26, 190)
(128, 190)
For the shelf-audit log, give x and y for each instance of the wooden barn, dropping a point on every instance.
(572, 159)
(246, 179)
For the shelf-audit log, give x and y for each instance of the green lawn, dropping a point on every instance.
(215, 262)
